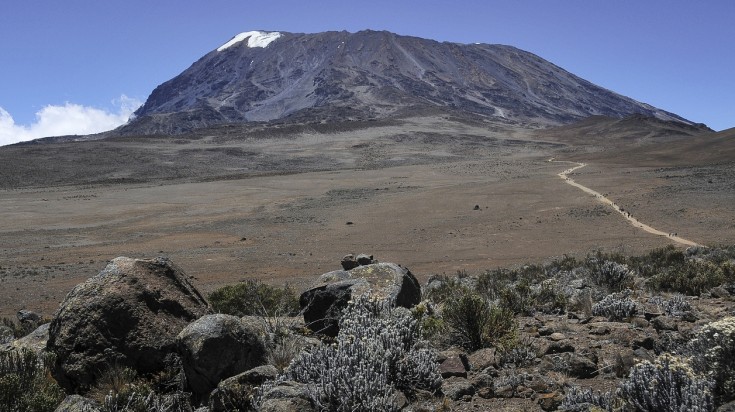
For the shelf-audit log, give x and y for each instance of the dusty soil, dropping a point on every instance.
(287, 208)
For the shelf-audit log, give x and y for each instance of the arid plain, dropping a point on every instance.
(434, 193)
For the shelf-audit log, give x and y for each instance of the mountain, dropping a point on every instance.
(265, 76)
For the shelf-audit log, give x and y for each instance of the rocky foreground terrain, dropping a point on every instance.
(610, 332)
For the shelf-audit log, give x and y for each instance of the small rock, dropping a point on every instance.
(363, 259)
(664, 323)
(550, 401)
(453, 367)
(646, 342)
(719, 292)
(556, 336)
(287, 397)
(651, 315)
(26, 316)
(728, 407)
(482, 359)
(559, 347)
(477, 207)
(545, 330)
(349, 262)
(455, 388)
(486, 392)
(35, 341)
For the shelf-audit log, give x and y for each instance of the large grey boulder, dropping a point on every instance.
(35, 341)
(322, 305)
(129, 314)
(216, 347)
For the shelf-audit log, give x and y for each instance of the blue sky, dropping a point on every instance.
(87, 64)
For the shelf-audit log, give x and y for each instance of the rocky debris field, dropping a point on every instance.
(598, 333)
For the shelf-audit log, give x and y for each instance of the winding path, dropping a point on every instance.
(602, 199)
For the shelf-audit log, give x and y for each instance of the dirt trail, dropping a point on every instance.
(602, 199)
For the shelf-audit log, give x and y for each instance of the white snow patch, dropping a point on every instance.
(254, 38)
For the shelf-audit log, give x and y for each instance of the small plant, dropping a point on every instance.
(713, 354)
(520, 355)
(666, 385)
(616, 306)
(377, 351)
(475, 323)
(677, 305)
(577, 399)
(26, 383)
(612, 275)
(254, 297)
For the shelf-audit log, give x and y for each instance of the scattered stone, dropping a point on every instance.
(26, 316)
(129, 314)
(651, 315)
(550, 401)
(545, 330)
(477, 207)
(600, 330)
(556, 336)
(664, 323)
(646, 342)
(35, 341)
(453, 366)
(728, 407)
(719, 292)
(455, 388)
(236, 390)
(483, 359)
(363, 259)
(287, 397)
(216, 347)
(76, 403)
(323, 304)
(559, 347)
(349, 262)
(574, 365)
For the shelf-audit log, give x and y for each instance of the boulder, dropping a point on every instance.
(7, 335)
(76, 403)
(456, 388)
(322, 304)
(454, 366)
(287, 396)
(129, 314)
(234, 393)
(216, 347)
(35, 341)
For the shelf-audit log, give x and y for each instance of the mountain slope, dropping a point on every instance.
(265, 76)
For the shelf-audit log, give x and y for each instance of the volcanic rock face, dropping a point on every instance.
(128, 314)
(263, 76)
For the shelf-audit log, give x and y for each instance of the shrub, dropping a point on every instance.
(690, 277)
(254, 297)
(441, 288)
(666, 385)
(475, 323)
(577, 399)
(26, 383)
(713, 353)
(612, 275)
(677, 305)
(377, 350)
(616, 306)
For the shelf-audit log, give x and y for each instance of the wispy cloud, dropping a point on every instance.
(68, 119)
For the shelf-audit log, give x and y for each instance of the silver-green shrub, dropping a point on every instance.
(616, 306)
(578, 399)
(377, 351)
(666, 385)
(613, 275)
(713, 354)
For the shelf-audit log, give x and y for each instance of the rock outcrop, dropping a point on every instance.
(129, 314)
(322, 305)
(216, 347)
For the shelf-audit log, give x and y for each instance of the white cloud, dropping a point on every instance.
(68, 119)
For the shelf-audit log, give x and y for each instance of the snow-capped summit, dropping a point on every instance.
(254, 38)
(338, 76)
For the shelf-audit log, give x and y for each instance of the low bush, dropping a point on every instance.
(666, 385)
(578, 399)
(609, 274)
(26, 383)
(474, 323)
(254, 297)
(616, 306)
(691, 277)
(713, 354)
(378, 350)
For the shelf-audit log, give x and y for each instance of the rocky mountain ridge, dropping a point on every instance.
(337, 76)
